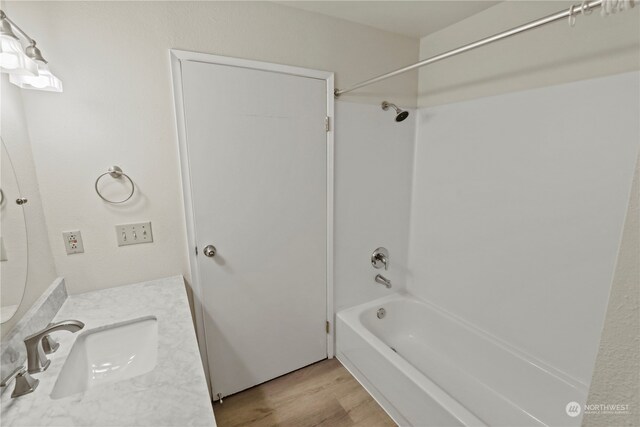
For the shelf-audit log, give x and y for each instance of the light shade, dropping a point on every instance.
(13, 60)
(43, 81)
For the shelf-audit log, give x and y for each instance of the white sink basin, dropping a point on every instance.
(109, 354)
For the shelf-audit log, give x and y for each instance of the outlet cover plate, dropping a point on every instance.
(73, 242)
(133, 234)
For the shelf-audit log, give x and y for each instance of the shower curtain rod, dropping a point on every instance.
(584, 7)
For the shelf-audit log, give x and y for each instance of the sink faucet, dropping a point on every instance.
(36, 358)
(383, 280)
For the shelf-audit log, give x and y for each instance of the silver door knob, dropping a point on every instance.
(210, 250)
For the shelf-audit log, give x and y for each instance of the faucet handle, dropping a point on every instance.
(379, 258)
(25, 383)
(49, 345)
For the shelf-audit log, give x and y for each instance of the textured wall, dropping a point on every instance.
(557, 53)
(616, 379)
(117, 108)
(41, 270)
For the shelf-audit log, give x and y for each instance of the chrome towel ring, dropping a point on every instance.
(115, 172)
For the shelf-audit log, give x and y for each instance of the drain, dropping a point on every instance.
(381, 313)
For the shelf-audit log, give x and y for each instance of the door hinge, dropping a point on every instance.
(327, 126)
(328, 326)
(196, 250)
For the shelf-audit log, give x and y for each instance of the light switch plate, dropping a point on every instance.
(132, 234)
(73, 242)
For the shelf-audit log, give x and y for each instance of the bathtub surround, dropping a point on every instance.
(173, 393)
(41, 271)
(372, 199)
(532, 214)
(40, 314)
(594, 47)
(513, 243)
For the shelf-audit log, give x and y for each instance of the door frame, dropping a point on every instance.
(177, 57)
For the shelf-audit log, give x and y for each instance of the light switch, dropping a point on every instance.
(73, 242)
(132, 234)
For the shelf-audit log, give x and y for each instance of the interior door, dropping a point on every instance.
(257, 150)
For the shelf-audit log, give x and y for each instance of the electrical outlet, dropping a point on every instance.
(132, 234)
(73, 242)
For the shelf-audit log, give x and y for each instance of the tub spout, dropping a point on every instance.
(383, 280)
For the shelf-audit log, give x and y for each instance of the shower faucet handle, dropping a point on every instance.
(380, 258)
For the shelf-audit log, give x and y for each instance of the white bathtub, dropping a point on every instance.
(428, 368)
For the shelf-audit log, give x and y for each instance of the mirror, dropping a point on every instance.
(13, 239)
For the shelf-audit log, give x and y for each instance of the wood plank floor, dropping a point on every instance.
(323, 394)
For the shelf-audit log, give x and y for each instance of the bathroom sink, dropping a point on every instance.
(109, 354)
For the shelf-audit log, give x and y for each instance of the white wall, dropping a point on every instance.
(13, 128)
(518, 207)
(554, 54)
(373, 195)
(117, 108)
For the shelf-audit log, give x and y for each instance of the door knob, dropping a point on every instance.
(21, 201)
(210, 250)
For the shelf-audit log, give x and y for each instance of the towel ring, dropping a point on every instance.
(115, 172)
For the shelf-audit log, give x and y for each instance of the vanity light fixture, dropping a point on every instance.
(39, 76)
(13, 60)
(45, 80)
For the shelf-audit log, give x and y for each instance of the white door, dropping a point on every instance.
(257, 148)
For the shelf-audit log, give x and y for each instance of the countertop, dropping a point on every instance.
(174, 393)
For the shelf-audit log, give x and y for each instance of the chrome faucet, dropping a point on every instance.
(383, 280)
(36, 357)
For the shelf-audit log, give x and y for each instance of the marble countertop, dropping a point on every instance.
(174, 393)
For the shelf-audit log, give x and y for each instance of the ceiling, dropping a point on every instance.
(410, 18)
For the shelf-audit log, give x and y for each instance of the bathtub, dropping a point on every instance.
(428, 368)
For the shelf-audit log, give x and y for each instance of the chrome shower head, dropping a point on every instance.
(400, 114)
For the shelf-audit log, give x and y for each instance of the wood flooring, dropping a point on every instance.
(320, 395)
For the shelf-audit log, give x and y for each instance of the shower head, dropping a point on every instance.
(400, 114)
